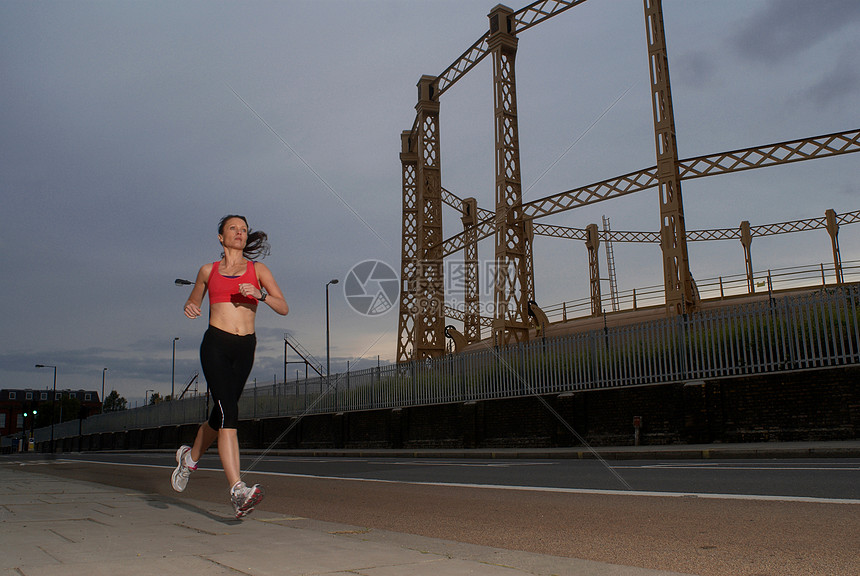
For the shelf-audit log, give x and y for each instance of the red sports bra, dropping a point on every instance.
(226, 288)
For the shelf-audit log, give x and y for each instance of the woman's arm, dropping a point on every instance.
(275, 298)
(195, 299)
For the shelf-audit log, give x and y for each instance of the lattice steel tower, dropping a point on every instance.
(510, 323)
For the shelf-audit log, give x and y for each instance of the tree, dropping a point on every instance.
(62, 410)
(114, 402)
(155, 398)
(70, 409)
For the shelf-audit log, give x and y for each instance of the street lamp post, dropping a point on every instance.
(33, 413)
(327, 331)
(146, 396)
(103, 388)
(53, 401)
(173, 369)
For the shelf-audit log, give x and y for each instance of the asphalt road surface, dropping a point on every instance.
(720, 518)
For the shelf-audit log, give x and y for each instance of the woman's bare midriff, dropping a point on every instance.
(236, 319)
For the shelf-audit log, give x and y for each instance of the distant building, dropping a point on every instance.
(14, 403)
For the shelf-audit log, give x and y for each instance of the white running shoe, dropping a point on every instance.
(245, 498)
(183, 470)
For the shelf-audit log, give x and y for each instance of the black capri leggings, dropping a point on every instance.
(227, 360)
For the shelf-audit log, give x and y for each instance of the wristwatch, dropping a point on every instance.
(263, 295)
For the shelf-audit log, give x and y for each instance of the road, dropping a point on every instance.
(714, 518)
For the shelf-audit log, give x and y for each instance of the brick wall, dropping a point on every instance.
(811, 405)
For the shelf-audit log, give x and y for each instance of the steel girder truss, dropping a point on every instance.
(524, 18)
(697, 235)
(420, 333)
(831, 222)
(723, 163)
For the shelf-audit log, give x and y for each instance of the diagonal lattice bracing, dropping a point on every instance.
(722, 163)
(453, 201)
(525, 18)
(468, 60)
(646, 237)
(539, 11)
(512, 285)
(771, 154)
(409, 251)
(453, 313)
(514, 222)
(592, 193)
(559, 231)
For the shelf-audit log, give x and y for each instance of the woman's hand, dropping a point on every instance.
(192, 310)
(249, 290)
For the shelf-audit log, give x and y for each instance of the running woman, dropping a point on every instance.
(236, 285)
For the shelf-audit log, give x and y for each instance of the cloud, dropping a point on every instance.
(840, 83)
(122, 146)
(785, 28)
(697, 68)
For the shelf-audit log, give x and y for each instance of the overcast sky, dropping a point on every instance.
(129, 128)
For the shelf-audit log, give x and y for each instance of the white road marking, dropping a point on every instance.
(713, 466)
(549, 489)
(465, 464)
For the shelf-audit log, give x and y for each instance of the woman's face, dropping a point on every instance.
(235, 234)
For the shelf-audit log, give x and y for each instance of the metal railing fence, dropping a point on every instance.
(718, 288)
(818, 329)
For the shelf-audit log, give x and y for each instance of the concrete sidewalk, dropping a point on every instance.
(53, 526)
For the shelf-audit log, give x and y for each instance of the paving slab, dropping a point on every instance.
(51, 526)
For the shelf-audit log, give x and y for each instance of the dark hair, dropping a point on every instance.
(258, 241)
